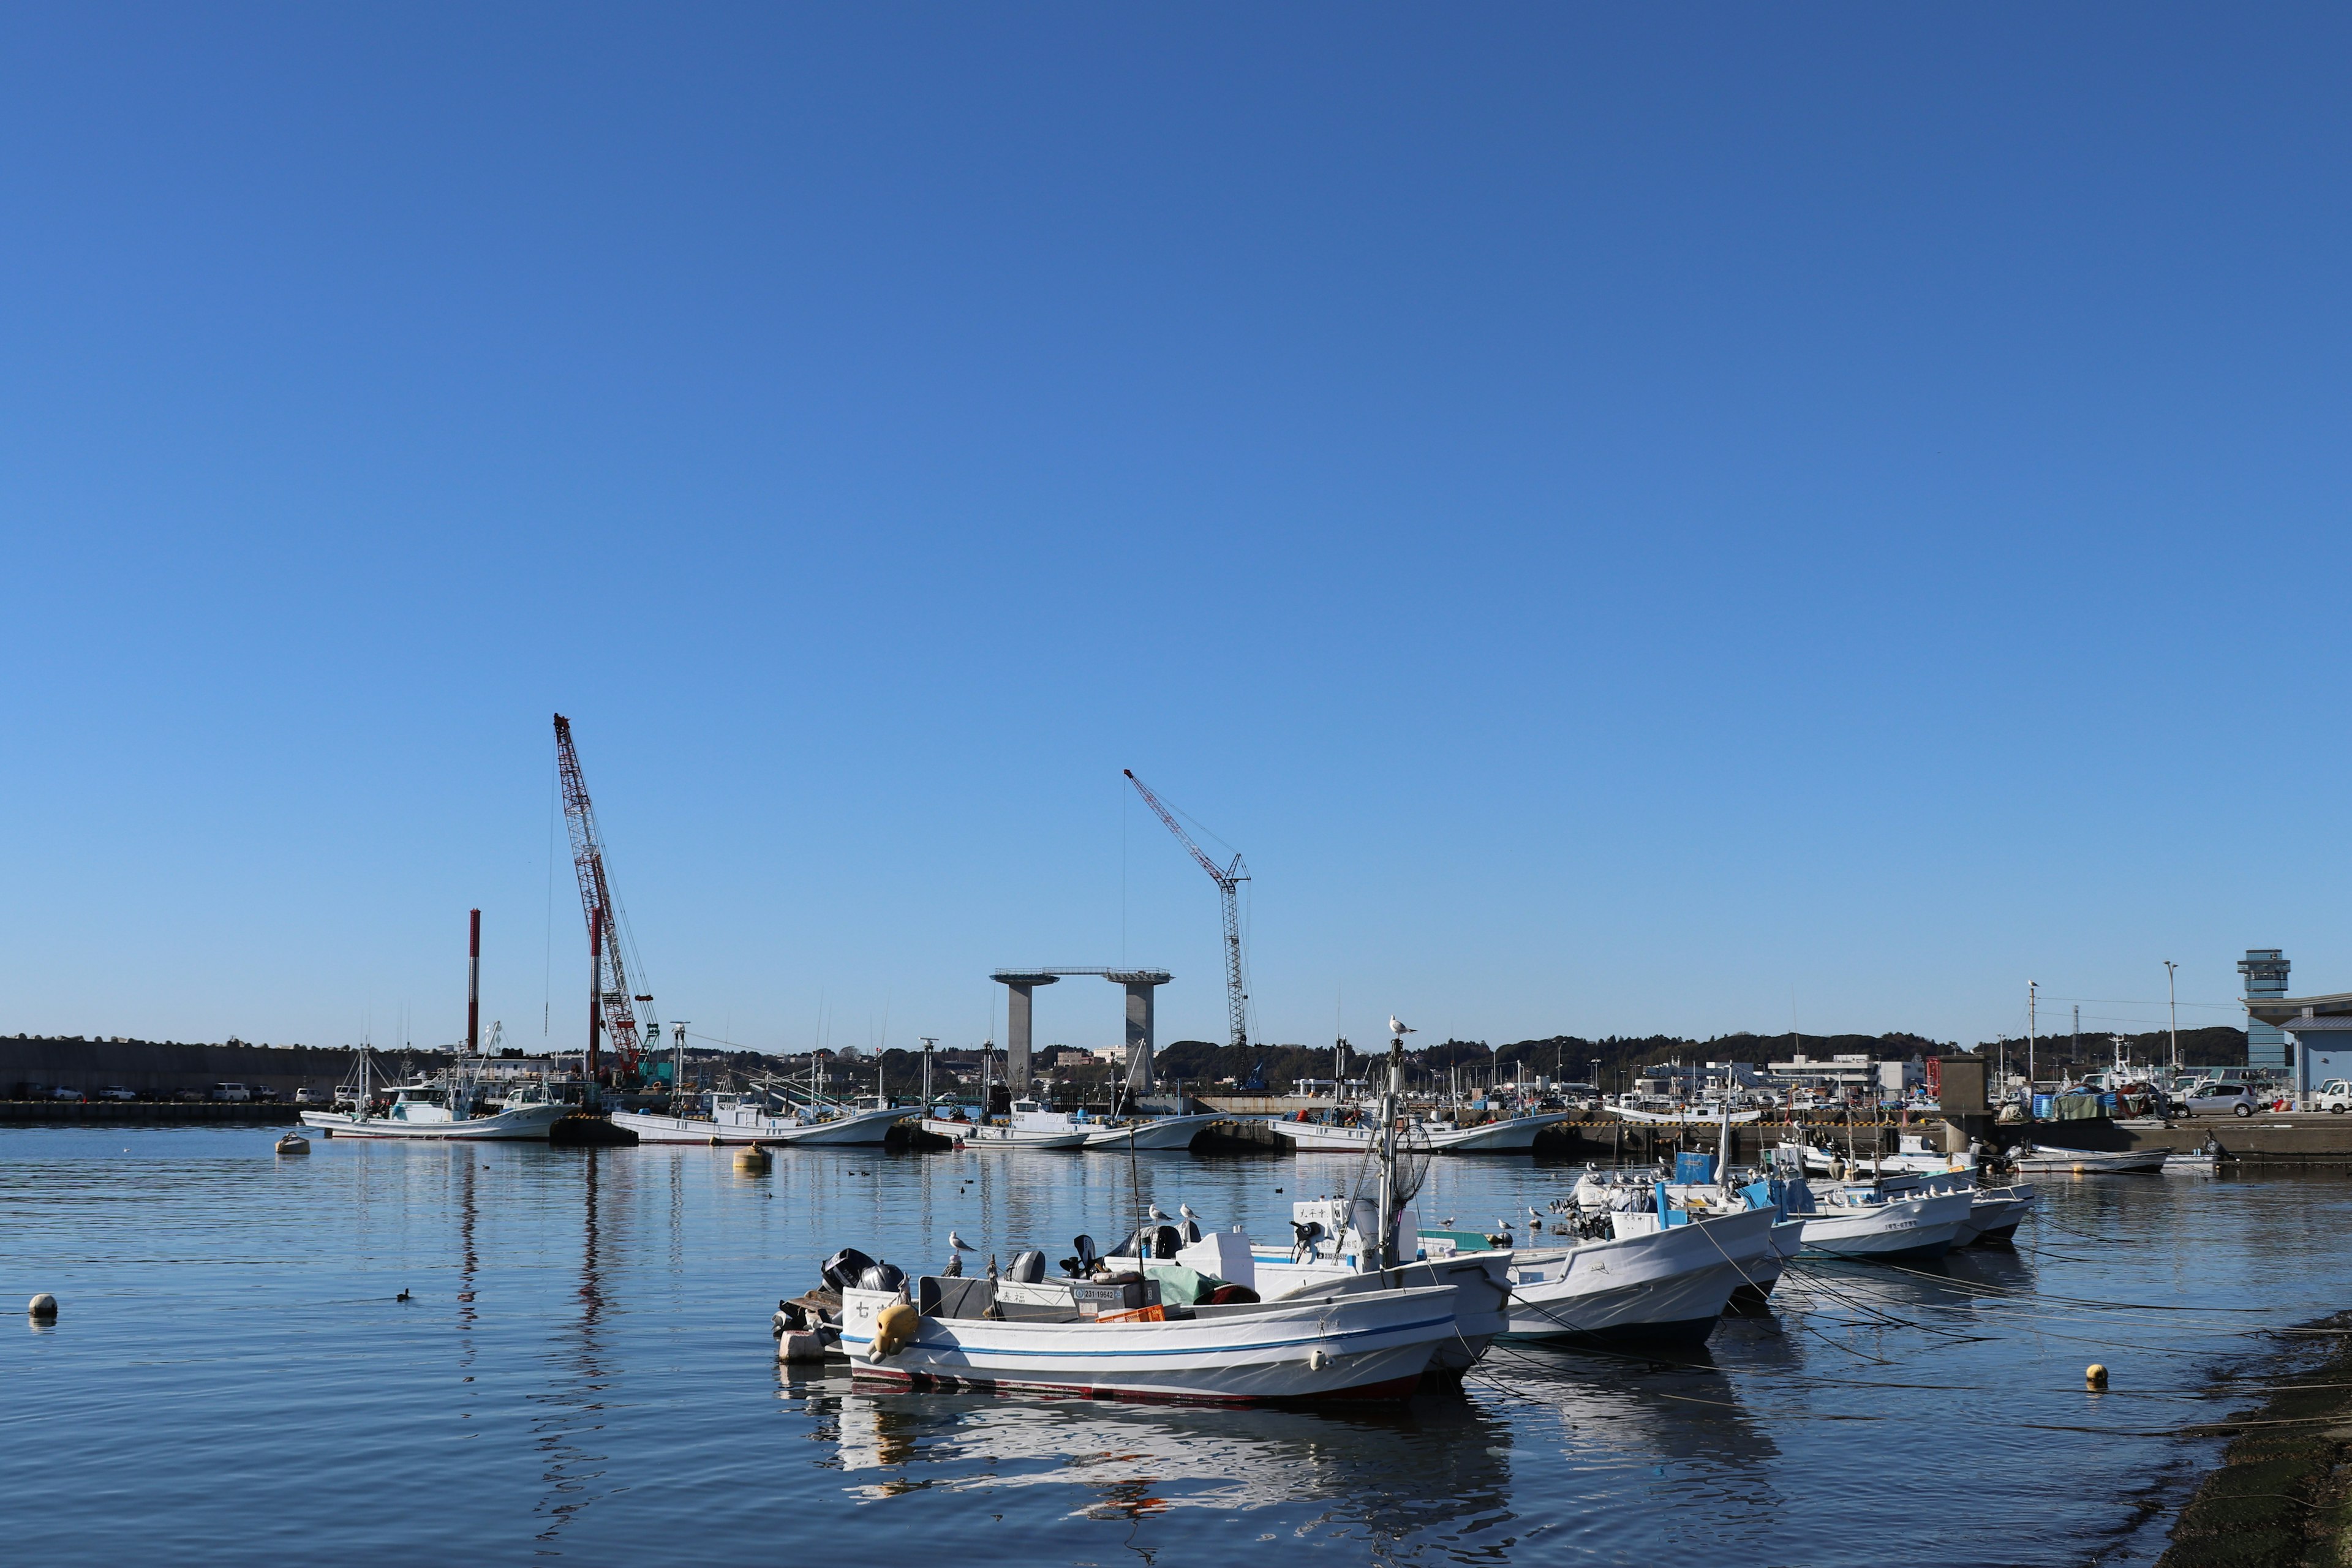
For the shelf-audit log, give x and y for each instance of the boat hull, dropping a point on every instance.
(2043, 1160)
(1159, 1132)
(1900, 1230)
(972, 1135)
(1514, 1136)
(1369, 1345)
(1670, 1285)
(1481, 1282)
(527, 1125)
(865, 1128)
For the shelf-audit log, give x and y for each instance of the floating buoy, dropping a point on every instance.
(799, 1345)
(2094, 1378)
(42, 1308)
(1318, 1358)
(293, 1143)
(751, 1160)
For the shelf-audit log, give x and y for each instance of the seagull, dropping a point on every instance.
(1397, 1028)
(1156, 1212)
(1186, 1210)
(954, 1270)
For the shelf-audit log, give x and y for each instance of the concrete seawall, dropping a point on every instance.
(162, 1068)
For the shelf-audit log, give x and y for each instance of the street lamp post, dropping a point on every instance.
(2172, 1005)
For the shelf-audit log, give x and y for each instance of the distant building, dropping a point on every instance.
(2266, 971)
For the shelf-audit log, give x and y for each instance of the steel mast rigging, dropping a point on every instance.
(1228, 879)
(614, 948)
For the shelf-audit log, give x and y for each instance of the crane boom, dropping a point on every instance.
(617, 1002)
(1228, 878)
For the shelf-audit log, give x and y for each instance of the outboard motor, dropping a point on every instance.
(1165, 1241)
(885, 1276)
(842, 1269)
(1084, 1245)
(1028, 1268)
(1191, 1231)
(1303, 1238)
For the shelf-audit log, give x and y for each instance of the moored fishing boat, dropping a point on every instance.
(1151, 1131)
(2044, 1159)
(448, 1108)
(1030, 1126)
(1340, 1345)
(1511, 1134)
(736, 1118)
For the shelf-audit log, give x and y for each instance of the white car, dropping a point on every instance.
(2222, 1099)
(116, 1091)
(2335, 1095)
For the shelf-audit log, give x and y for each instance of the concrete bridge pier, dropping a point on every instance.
(1140, 983)
(1020, 998)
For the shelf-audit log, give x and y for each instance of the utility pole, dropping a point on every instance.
(2172, 1005)
(2033, 994)
(2074, 1039)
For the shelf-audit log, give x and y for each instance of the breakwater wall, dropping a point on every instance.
(162, 1068)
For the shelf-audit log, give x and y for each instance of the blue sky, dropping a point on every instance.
(1636, 519)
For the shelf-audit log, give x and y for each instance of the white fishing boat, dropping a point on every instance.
(1663, 1283)
(450, 1107)
(1151, 1131)
(1030, 1126)
(1331, 1254)
(1340, 1345)
(741, 1119)
(1511, 1134)
(1710, 1115)
(2044, 1160)
(1859, 1220)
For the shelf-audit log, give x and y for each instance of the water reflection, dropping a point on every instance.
(1431, 1464)
(1667, 1411)
(571, 1414)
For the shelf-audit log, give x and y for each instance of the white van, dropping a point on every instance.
(231, 1091)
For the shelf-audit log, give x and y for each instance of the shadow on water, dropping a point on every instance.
(1436, 1464)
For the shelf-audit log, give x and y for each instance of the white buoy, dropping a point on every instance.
(43, 1307)
(751, 1160)
(799, 1345)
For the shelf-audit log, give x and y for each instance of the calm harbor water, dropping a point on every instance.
(583, 1371)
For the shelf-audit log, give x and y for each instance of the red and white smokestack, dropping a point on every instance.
(474, 989)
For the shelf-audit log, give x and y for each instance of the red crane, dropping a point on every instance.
(616, 1001)
(1228, 878)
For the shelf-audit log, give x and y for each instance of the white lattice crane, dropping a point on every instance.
(1228, 878)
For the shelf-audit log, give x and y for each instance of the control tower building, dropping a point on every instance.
(2265, 972)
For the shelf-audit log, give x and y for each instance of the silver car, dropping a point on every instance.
(2222, 1099)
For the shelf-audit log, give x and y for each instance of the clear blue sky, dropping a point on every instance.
(1633, 519)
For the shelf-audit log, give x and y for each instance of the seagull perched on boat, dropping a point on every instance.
(1156, 1212)
(1186, 1210)
(954, 1270)
(1397, 1028)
